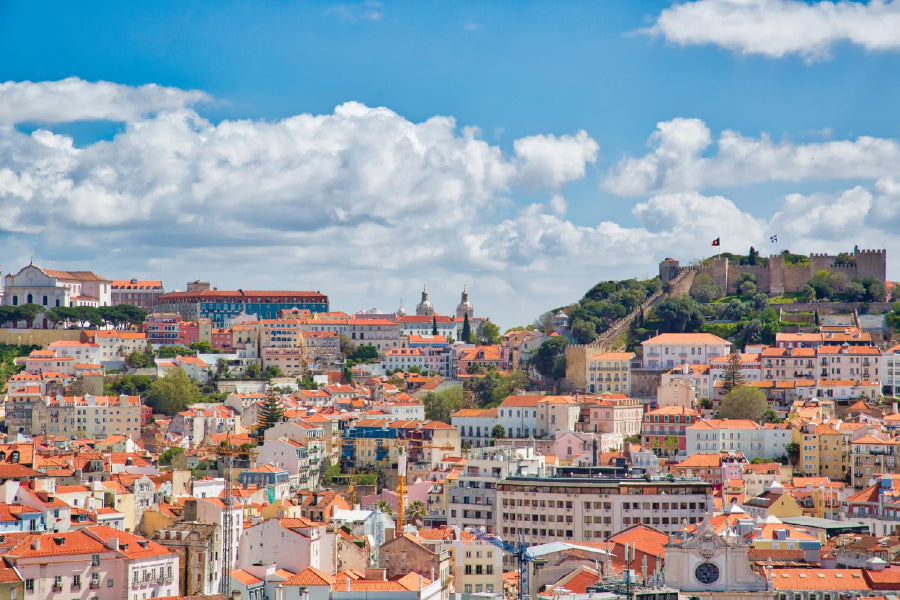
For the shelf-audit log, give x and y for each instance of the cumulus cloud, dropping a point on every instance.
(74, 99)
(681, 159)
(361, 187)
(550, 161)
(777, 28)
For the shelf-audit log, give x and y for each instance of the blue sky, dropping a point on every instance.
(812, 156)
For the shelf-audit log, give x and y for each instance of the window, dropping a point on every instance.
(29, 585)
(95, 560)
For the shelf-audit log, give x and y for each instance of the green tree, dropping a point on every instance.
(306, 383)
(365, 353)
(584, 332)
(139, 360)
(416, 512)
(732, 375)
(545, 359)
(745, 402)
(439, 406)
(823, 284)
(498, 431)
(704, 289)
(166, 456)
(28, 313)
(855, 290)
(272, 371)
(474, 369)
(747, 288)
(770, 416)
(173, 351)
(679, 314)
(492, 388)
(434, 329)
(808, 294)
(752, 256)
(793, 452)
(490, 334)
(670, 444)
(271, 413)
(466, 330)
(253, 371)
(203, 347)
(172, 393)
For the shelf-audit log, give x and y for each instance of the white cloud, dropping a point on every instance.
(74, 99)
(367, 206)
(680, 160)
(354, 12)
(550, 161)
(776, 28)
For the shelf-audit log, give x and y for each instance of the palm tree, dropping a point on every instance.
(384, 506)
(416, 512)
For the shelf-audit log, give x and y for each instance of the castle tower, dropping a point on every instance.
(424, 307)
(464, 307)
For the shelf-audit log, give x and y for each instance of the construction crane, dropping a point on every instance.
(525, 554)
(402, 454)
(228, 451)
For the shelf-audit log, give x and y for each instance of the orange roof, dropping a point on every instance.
(311, 576)
(700, 460)
(243, 577)
(687, 338)
(819, 579)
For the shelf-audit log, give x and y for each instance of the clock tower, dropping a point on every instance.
(711, 566)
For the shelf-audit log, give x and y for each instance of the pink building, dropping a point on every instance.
(168, 329)
(662, 422)
(94, 562)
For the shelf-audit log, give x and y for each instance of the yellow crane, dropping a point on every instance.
(402, 455)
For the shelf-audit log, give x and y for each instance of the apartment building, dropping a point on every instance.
(667, 421)
(609, 372)
(593, 508)
(872, 455)
(169, 329)
(668, 350)
(736, 435)
(90, 563)
(93, 417)
(142, 293)
(219, 306)
(472, 500)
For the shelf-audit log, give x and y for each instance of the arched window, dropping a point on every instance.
(45, 301)
(30, 299)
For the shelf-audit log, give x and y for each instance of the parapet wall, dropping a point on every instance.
(776, 277)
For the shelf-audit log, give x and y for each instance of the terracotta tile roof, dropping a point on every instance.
(819, 579)
(311, 576)
(687, 338)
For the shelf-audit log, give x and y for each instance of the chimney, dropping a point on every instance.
(190, 510)
(348, 583)
(113, 543)
(36, 543)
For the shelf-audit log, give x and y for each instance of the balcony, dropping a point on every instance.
(57, 587)
(95, 585)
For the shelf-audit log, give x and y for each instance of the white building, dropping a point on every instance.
(668, 350)
(709, 436)
(51, 288)
(292, 544)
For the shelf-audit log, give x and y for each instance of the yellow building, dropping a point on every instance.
(834, 452)
(609, 373)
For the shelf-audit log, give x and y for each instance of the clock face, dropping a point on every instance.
(707, 573)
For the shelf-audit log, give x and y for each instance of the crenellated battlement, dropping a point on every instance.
(778, 277)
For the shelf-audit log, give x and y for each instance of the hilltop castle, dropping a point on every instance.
(776, 276)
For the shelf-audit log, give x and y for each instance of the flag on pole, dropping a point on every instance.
(715, 242)
(773, 238)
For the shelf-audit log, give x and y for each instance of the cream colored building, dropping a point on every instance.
(609, 372)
